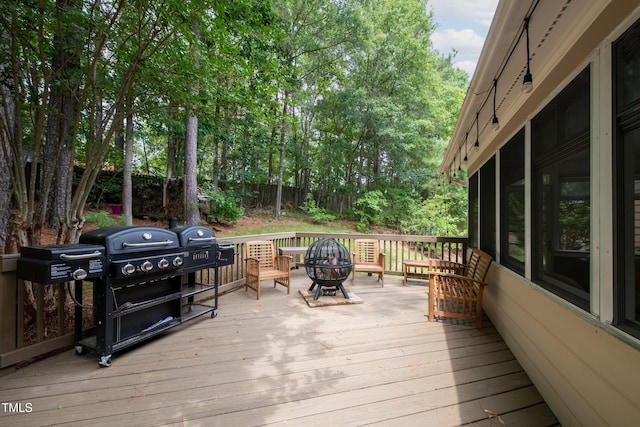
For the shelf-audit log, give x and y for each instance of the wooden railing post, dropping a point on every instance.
(8, 304)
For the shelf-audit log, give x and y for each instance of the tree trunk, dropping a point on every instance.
(216, 147)
(306, 152)
(56, 177)
(127, 185)
(192, 212)
(283, 131)
(6, 122)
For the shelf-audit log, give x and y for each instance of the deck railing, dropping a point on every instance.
(50, 327)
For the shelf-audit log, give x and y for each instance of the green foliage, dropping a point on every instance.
(369, 209)
(402, 206)
(440, 215)
(224, 205)
(101, 219)
(369, 102)
(319, 215)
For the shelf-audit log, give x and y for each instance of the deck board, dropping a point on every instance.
(277, 361)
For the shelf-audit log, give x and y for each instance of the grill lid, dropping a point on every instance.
(125, 239)
(62, 252)
(194, 235)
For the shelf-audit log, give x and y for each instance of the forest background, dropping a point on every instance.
(347, 101)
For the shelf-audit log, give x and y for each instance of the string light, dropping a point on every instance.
(527, 81)
(495, 123)
(477, 143)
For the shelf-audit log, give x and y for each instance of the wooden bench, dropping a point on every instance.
(460, 296)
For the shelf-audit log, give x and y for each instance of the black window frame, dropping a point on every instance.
(560, 149)
(472, 223)
(488, 207)
(626, 119)
(512, 182)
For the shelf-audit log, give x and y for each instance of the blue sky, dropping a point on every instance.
(462, 25)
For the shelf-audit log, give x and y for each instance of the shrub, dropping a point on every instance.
(318, 215)
(224, 206)
(441, 215)
(369, 209)
(101, 219)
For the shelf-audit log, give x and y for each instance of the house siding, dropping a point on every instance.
(584, 364)
(587, 375)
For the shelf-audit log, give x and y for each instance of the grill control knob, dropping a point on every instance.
(177, 261)
(163, 263)
(146, 266)
(128, 269)
(79, 274)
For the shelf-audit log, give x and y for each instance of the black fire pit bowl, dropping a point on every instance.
(328, 264)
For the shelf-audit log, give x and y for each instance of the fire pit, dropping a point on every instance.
(328, 264)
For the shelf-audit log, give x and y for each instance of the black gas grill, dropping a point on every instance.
(137, 254)
(144, 280)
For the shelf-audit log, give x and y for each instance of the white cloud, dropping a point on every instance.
(462, 26)
(468, 66)
(465, 42)
(475, 13)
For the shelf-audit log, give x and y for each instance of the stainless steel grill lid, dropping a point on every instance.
(124, 240)
(194, 235)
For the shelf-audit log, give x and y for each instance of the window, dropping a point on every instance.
(488, 207)
(473, 211)
(560, 139)
(512, 232)
(627, 180)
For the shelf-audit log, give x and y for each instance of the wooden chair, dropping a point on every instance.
(263, 264)
(368, 258)
(460, 296)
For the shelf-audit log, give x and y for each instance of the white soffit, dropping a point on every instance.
(554, 28)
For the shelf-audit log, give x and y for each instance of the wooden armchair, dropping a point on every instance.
(262, 264)
(368, 258)
(460, 296)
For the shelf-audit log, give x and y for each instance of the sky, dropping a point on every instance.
(462, 25)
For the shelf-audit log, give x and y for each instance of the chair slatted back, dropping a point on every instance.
(478, 265)
(366, 251)
(262, 250)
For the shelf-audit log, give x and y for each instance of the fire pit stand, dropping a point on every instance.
(328, 264)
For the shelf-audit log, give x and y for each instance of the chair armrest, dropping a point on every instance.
(253, 266)
(477, 285)
(381, 259)
(282, 262)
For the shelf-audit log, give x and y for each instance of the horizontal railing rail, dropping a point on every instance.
(25, 334)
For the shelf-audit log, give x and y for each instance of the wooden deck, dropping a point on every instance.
(277, 361)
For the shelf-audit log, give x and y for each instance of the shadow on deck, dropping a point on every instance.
(278, 361)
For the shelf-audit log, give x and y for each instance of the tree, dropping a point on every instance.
(116, 41)
(312, 28)
(192, 213)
